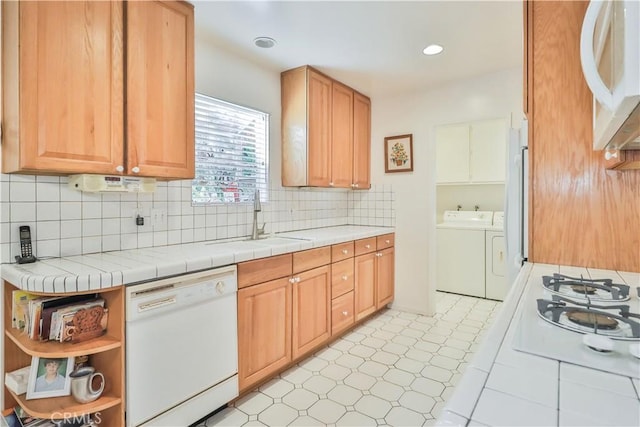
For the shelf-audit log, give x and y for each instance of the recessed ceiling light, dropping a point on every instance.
(264, 42)
(433, 49)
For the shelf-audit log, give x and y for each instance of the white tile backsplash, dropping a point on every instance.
(67, 222)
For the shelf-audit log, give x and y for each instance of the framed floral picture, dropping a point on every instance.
(398, 153)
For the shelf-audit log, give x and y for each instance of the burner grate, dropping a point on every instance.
(615, 321)
(591, 289)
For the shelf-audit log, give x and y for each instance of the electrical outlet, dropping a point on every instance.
(158, 218)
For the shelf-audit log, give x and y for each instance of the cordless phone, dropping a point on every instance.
(26, 253)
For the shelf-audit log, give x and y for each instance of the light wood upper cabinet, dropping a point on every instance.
(361, 142)
(160, 89)
(319, 127)
(62, 78)
(341, 136)
(326, 132)
(64, 88)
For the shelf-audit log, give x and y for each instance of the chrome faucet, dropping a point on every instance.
(476, 208)
(257, 207)
(459, 207)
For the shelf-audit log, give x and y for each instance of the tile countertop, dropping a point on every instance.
(505, 387)
(107, 269)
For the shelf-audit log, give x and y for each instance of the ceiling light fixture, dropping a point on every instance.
(264, 42)
(433, 49)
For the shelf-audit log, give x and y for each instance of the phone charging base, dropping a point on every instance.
(25, 260)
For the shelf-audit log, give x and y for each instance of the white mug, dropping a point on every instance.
(82, 384)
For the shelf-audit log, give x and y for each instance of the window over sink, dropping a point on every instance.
(232, 152)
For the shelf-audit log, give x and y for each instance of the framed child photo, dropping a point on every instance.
(398, 153)
(49, 377)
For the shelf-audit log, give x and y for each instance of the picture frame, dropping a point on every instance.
(398, 153)
(39, 386)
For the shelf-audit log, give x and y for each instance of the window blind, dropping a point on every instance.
(231, 152)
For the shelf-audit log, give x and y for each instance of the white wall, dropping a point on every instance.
(224, 75)
(484, 97)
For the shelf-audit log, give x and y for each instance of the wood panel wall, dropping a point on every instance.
(580, 213)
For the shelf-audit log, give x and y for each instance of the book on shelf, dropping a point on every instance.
(18, 417)
(20, 308)
(44, 311)
(51, 306)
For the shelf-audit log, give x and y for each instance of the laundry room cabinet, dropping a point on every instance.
(86, 91)
(471, 153)
(326, 132)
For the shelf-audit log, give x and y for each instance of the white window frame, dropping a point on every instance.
(217, 149)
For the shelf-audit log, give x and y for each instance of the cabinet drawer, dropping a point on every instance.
(341, 277)
(364, 246)
(306, 260)
(385, 241)
(341, 251)
(263, 270)
(342, 313)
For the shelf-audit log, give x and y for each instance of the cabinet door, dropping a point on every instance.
(488, 151)
(385, 274)
(62, 86)
(361, 141)
(341, 136)
(319, 129)
(452, 153)
(160, 89)
(264, 330)
(365, 285)
(311, 309)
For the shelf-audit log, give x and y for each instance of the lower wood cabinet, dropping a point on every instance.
(342, 315)
(264, 330)
(311, 309)
(365, 285)
(291, 304)
(374, 277)
(385, 272)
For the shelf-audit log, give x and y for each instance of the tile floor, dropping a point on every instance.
(396, 369)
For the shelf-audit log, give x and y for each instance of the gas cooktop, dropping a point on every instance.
(562, 316)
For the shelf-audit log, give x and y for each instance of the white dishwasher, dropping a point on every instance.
(181, 347)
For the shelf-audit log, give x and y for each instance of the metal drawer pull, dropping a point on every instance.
(367, 246)
(345, 251)
(345, 277)
(387, 241)
(378, 254)
(345, 313)
(292, 280)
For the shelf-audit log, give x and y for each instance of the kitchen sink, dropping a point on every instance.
(261, 241)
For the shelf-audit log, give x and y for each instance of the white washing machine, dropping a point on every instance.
(460, 252)
(495, 268)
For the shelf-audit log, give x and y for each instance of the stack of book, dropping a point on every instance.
(58, 318)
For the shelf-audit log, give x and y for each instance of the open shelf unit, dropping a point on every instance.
(106, 355)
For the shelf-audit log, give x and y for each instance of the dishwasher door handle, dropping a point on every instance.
(152, 305)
